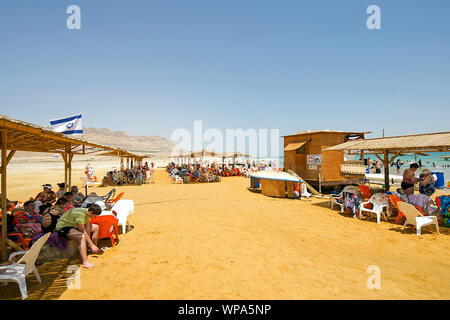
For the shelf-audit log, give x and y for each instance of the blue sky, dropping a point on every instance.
(149, 67)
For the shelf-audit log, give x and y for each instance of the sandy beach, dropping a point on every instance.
(221, 241)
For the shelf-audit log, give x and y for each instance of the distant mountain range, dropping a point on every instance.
(121, 139)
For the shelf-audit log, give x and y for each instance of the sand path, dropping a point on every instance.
(221, 241)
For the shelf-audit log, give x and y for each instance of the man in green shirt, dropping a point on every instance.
(75, 224)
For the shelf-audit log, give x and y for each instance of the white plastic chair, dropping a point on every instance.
(333, 198)
(304, 191)
(378, 207)
(18, 271)
(123, 208)
(414, 217)
(178, 178)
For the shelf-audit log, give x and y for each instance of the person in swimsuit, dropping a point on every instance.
(409, 179)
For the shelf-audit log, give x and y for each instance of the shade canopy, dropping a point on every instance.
(431, 142)
(23, 136)
(294, 146)
(232, 155)
(17, 135)
(383, 147)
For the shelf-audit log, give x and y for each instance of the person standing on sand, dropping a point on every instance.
(409, 179)
(75, 225)
(378, 167)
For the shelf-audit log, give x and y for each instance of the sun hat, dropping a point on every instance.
(47, 185)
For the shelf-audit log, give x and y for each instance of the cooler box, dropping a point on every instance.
(440, 183)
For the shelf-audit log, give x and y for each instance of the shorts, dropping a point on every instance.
(64, 232)
(406, 185)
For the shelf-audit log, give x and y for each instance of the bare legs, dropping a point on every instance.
(81, 237)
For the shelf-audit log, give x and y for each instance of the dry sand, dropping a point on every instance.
(221, 241)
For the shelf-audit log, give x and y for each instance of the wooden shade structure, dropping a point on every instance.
(384, 147)
(233, 155)
(123, 154)
(197, 154)
(17, 135)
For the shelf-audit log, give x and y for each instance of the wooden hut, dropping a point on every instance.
(274, 184)
(305, 154)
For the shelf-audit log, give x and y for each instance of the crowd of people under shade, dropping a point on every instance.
(134, 175)
(65, 214)
(210, 171)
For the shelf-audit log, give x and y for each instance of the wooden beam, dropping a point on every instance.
(4, 136)
(70, 171)
(10, 156)
(386, 170)
(121, 171)
(382, 160)
(396, 155)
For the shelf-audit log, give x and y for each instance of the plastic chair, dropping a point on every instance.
(395, 200)
(378, 207)
(178, 178)
(108, 228)
(365, 190)
(415, 218)
(116, 199)
(109, 195)
(122, 209)
(17, 271)
(334, 199)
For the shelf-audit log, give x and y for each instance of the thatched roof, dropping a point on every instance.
(431, 142)
(232, 155)
(328, 131)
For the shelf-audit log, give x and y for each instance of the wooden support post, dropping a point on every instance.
(64, 156)
(4, 204)
(121, 170)
(128, 163)
(10, 155)
(386, 170)
(70, 172)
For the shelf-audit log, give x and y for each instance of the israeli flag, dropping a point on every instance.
(69, 125)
